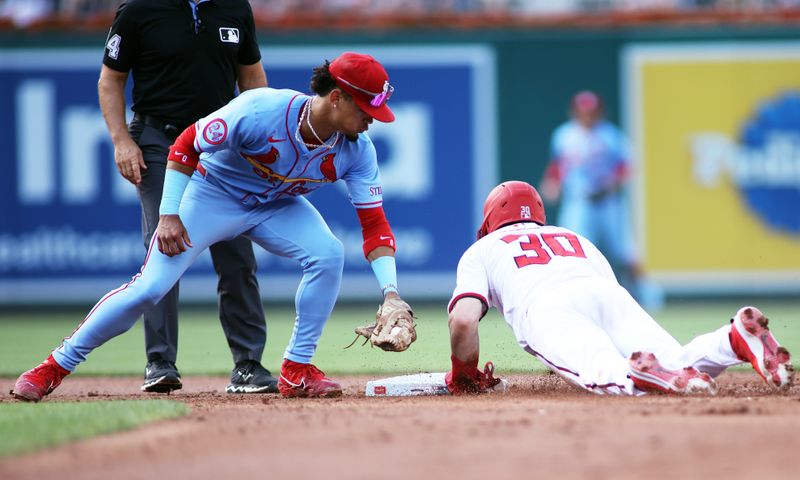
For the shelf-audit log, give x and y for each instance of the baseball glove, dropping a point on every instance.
(394, 329)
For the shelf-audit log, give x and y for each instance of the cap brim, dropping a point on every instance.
(382, 114)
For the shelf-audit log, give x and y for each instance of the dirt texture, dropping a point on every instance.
(542, 428)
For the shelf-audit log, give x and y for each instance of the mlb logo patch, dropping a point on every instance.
(229, 35)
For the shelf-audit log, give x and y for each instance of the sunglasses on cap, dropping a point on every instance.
(378, 99)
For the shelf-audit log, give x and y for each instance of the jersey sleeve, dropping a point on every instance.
(471, 279)
(122, 43)
(363, 179)
(249, 52)
(230, 127)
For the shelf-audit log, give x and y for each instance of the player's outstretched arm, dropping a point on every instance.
(181, 162)
(394, 329)
(463, 322)
(171, 234)
(465, 347)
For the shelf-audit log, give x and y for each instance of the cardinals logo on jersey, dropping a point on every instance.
(260, 162)
(296, 184)
(268, 158)
(328, 168)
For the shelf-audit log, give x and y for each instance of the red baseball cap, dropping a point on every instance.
(364, 79)
(586, 101)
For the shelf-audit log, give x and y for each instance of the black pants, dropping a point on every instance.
(240, 310)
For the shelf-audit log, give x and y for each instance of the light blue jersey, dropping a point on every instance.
(251, 180)
(590, 161)
(249, 148)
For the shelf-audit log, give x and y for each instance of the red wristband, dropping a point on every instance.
(464, 370)
(182, 151)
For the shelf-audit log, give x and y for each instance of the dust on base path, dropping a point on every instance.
(542, 429)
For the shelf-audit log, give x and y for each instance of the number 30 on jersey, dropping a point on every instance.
(559, 244)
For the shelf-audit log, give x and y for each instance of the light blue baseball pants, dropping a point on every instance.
(290, 227)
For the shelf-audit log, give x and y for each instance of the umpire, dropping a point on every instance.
(187, 57)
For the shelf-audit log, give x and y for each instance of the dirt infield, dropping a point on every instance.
(541, 429)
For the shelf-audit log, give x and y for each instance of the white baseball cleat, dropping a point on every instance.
(648, 375)
(752, 342)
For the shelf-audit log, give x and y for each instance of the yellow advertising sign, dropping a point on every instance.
(716, 131)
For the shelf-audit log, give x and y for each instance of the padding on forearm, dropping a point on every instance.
(182, 151)
(375, 229)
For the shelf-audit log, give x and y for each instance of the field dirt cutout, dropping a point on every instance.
(542, 428)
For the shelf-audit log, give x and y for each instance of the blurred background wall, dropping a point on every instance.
(708, 91)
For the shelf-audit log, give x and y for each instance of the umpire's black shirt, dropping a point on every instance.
(183, 69)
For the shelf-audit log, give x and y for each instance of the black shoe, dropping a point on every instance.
(161, 376)
(250, 377)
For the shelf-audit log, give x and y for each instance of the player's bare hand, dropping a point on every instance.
(172, 237)
(129, 160)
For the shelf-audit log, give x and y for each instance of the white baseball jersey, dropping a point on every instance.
(513, 266)
(560, 297)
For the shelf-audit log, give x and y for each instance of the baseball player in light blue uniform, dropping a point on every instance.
(590, 159)
(251, 163)
(588, 172)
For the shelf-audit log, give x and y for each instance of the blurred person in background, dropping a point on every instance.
(187, 58)
(590, 167)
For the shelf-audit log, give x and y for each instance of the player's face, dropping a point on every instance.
(587, 118)
(351, 120)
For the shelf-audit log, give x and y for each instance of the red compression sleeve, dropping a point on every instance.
(375, 229)
(182, 151)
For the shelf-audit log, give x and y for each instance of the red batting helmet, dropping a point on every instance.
(511, 202)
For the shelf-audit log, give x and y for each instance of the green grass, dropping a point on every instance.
(26, 427)
(26, 339)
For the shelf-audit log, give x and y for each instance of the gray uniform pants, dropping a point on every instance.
(240, 310)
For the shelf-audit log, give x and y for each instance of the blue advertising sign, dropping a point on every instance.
(69, 223)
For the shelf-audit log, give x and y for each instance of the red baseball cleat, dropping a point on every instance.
(752, 342)
(648, 375)
(306, 380)
(34, 384)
